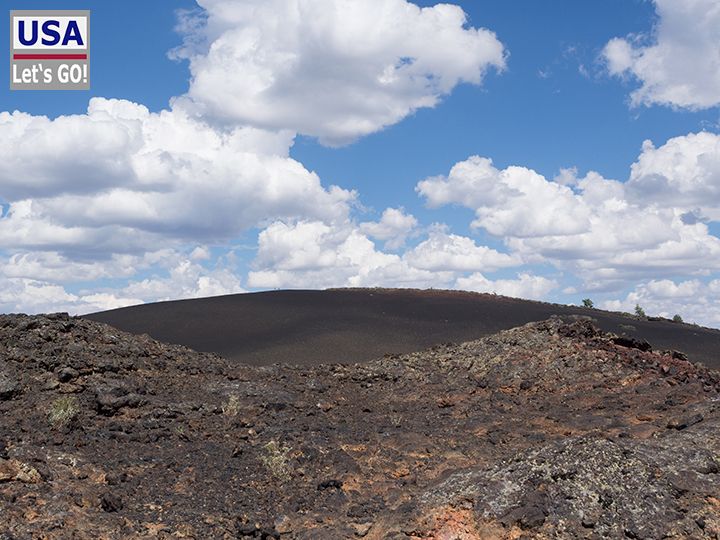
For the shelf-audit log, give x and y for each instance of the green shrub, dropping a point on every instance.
(640, 312)
(231, 407)
(677, 318)
(63, 411)
(588, 303)
(275, 458)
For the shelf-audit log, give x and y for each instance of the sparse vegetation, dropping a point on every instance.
(677, 318)
(275, 458)
(640, 312)
(63, 411)
(232, 407)
(588, 303)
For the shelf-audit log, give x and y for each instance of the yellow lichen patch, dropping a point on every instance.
(401, 471)
(358, 448)
(31, 515)
(96, 476)
(185, 531)
(154, 529)
(632, 379)
(13, 470)
(351, 482)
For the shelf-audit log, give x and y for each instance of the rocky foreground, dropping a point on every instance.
(551, 430)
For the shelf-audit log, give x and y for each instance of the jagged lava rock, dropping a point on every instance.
(550, 430)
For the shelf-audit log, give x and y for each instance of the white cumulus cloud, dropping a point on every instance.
(682, 173)
(604, 231)
(694, 300)
(312, 254)
(157, 177)
(334, 69)
(316, 254)
(393, 228)
(443, 251)
(173, 277)
(679, 64)
(512, 202)
(525, 285)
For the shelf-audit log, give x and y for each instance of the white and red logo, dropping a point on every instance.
(50, 50)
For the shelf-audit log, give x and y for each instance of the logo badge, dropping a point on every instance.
(49, 50)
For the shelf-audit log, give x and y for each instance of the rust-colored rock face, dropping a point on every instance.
(550, 430)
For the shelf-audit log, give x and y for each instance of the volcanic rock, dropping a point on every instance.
(549, 430)
(8, 387)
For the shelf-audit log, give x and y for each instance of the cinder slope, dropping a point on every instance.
(357, 325)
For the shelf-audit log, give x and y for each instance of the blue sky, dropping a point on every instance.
(215, 131)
